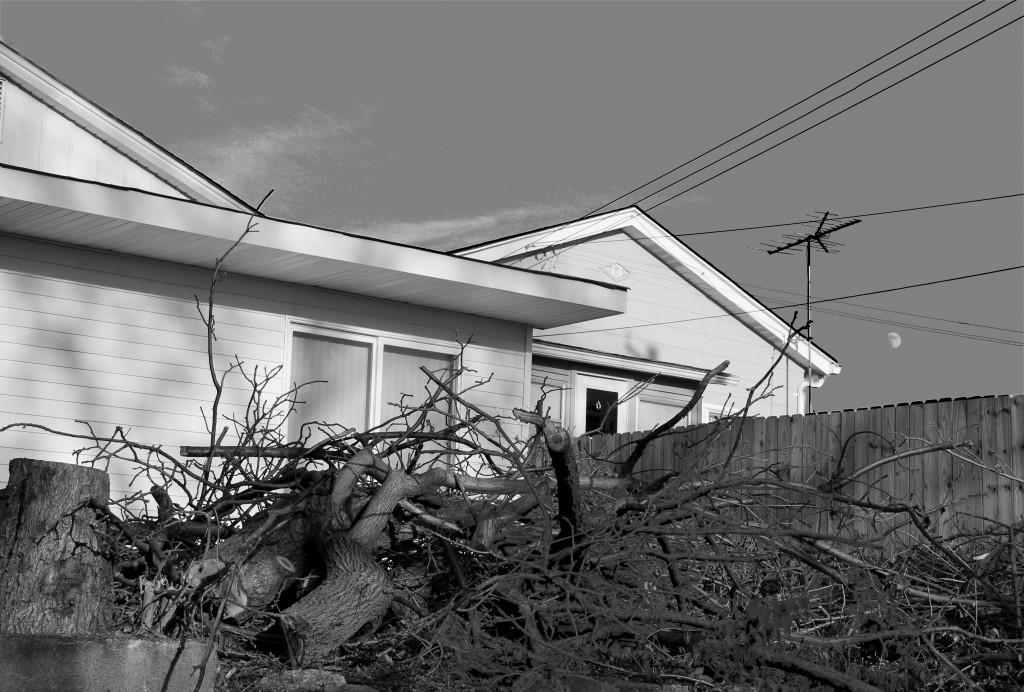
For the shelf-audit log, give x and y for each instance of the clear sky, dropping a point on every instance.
(444, 124)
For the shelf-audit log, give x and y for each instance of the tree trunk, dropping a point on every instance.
(357, 591)
(55, 573)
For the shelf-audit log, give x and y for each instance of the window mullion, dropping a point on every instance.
(376, 391)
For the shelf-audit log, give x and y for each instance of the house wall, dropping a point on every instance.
(117, 340)
(701, 335)
(37, 137)
(559, 380)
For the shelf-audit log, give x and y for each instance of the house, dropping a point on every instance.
(106, 240)
(683, 318)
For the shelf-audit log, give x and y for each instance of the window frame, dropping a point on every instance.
(377, 340)
(554, 383)
(712, 412)
(584, 380)
(664, 399)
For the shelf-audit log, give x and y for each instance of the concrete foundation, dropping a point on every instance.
(50, 663)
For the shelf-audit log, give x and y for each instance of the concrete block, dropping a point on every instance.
(53, 663)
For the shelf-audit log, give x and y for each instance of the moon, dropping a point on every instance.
(894, 339)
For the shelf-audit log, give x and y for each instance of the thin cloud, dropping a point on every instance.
(215, 48)
(192, 11)
(208, 105)
(293, 158)
(185, 77)
(452, 233)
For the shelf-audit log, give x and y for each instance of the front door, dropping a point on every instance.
(594, 409)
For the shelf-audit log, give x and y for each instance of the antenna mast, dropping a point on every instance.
(823, 244)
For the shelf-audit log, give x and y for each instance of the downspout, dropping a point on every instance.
(802, 401)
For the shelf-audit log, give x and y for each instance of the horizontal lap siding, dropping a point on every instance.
(118, 341)
(669, 320)
(87, 344)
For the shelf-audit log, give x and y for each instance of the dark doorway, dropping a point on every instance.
(599, 402)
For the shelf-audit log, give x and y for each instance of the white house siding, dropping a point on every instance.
(115, 341)
(37, 137)
(658, 295)
(558, 378)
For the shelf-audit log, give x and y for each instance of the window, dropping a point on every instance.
(345, 365)
(713, 413)
(660, 402)
(3, 103)
(553, 390)
(594, 409)
(602, 415)
(402, 375)
(366, 376)
(652, 412)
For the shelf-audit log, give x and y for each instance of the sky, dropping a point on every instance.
(444, 124)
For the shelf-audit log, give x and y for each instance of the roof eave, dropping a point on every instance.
(53, 208)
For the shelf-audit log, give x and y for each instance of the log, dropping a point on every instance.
(55, 572)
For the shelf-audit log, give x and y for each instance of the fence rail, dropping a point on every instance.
(956, 494)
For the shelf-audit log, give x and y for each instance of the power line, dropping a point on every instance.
(840, 218)
(822, 122)
(847, 76)
(930, 65)
(867, 318)
(800, 223)
(637, 279)
(793, 305)
(897, 312)
(923, 328)
(750, 288)
(808, 98)
(826, 119)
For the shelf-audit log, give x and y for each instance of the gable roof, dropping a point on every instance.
(116, 133)
(680, 258)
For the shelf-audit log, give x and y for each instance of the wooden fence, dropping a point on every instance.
(956, 494)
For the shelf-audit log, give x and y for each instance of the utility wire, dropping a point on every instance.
(847, 76)
(798, 103)
(657, 285)
(822, 122)
(882, 309)
(834, 218)
(878, 319)
(792, 305)
(923, 328)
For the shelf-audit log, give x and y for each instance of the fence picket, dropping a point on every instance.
(978, 504)
(809, 449)
(903, 488)
(1016, 454)
(996, 426)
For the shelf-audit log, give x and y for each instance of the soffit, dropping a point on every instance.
(102, 217)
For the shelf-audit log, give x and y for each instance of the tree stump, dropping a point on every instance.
(55, 574)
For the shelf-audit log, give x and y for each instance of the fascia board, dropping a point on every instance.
(114, 131)
(509, 249)
(611, 360)
(749, 310)
(278, 250)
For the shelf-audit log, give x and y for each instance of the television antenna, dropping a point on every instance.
(820, 241)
